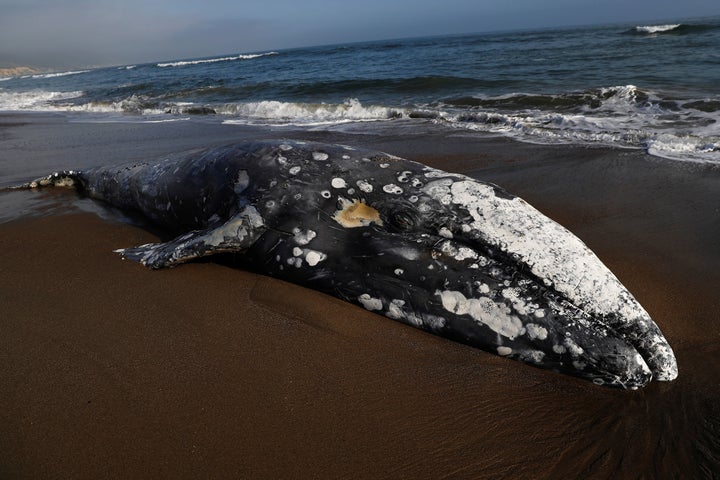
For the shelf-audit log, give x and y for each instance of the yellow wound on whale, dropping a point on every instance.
(356, 213)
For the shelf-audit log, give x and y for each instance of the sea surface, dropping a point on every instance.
(654, 87)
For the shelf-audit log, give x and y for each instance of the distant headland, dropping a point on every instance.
(16, 71)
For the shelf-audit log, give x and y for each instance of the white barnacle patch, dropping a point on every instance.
(535, 331)
(495, 316)
(295, 262)
(404, 177)
(370, 303)
(397, 311)
(297, 251)
(399, 271)
(313, 257)
(338, 183)
(445, 233)
(295, 170)
(572, 347)
(553, 253)
(303, 237)
(416, 183)
(320, 156)
(364, 186)
(413, 199)
(531, 356)
(285, 147)
(384, 165)
(458, 253)
(504, 351)
(515, 298)
(393, 189)
(241, 182)
(326, 194)
(405, 252)
(440, 190)
(281, 160)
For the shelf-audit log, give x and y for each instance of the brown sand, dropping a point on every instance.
(109, 370)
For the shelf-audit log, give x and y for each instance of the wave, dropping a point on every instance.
(290, 113)
(214, 60)
(621, 116)
(616, 98)
(671, 29)
(56, 75)
(35, 100)
(657, 28)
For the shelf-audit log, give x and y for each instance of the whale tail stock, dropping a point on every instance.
(65, 178)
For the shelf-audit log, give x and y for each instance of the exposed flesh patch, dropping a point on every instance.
(356, 213)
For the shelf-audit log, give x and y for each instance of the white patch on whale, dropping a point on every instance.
(554, 255)
(370, 303)
(483, 310)
(313, 257)
(338, 183)
(393, 189)
(303, 237)
(504, 351)
(535, 331)
(364, 186)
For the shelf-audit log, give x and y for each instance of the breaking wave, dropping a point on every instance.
(184, 63)
(657, 28)
(622, 116)
(671, 29)
(35, 100)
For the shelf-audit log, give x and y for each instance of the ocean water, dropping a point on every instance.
(651, 87)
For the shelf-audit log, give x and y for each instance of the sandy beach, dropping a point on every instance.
(110, 370)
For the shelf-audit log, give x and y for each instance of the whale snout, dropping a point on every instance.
(610, 360)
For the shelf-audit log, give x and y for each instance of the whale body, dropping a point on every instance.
(443, 252)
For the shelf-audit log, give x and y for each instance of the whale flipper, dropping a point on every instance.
(237, 234)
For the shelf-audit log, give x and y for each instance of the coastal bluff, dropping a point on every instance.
(17, 71)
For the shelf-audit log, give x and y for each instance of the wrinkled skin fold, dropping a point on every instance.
(442, 252)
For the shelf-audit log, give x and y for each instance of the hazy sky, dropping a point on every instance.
(64, 33)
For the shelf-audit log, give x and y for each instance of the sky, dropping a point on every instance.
(86, 33)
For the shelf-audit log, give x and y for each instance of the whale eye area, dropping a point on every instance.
(401, 220)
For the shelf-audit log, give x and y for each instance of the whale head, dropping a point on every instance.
(463, 259)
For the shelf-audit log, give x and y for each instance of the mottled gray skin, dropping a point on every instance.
(451, 255)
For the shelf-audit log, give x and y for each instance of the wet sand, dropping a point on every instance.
(108, 370)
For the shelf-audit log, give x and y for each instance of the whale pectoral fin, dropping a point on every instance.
(237, 234)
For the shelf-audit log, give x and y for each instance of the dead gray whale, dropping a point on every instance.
(442, 252)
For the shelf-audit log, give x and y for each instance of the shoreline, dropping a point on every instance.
(111, 370)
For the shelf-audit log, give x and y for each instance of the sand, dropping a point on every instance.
(109, 370)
